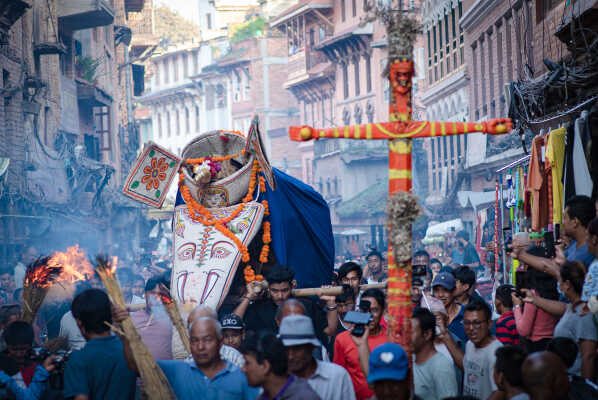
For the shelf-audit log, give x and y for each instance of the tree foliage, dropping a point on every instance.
(171, 25)
(248, 30)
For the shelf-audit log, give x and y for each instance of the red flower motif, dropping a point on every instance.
(154, 173)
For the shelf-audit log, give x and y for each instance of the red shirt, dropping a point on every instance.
(346, 355)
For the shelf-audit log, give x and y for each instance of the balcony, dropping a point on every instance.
(91, 95)
(75, 15)
(301, 66)
(10, 12)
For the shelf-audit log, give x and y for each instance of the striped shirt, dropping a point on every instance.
(506, 329)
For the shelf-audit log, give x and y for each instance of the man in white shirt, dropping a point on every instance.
(28, 256)
(479, 358)
(433, 374)
(329, 381)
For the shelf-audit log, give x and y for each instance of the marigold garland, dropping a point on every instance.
(199, 213)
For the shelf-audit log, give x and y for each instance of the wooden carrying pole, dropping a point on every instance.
(333, 291)
(155, 384)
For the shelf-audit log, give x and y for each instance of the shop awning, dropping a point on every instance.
(444, 227)
(477, 199)
(353, 232)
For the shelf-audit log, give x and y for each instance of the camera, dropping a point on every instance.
(419, 270)
(359, 321)
(39, 354)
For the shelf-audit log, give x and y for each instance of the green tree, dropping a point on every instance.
(171, 25)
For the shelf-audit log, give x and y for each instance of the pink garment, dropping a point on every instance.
(534, 323)
(157, 335)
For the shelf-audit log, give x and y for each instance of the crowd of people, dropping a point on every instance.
(536, 339)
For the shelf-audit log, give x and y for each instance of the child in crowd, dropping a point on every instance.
(506, 328)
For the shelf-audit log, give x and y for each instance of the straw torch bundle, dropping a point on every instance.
(175, 316)
(154, 381)
(40, 275)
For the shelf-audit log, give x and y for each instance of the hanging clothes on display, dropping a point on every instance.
(578, 178)
(555, 159)
(537, 186)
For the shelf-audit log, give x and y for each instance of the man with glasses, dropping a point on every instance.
(479, 358)
(259, 311)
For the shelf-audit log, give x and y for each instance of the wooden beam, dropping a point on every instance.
(323, 18)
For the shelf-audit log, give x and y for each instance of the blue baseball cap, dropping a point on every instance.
(388, 361)
(444, 279)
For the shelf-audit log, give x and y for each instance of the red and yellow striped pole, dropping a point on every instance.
(399, 179)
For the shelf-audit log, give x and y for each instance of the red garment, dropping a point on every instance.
(538, 186)
(27, 373)
(346, 355)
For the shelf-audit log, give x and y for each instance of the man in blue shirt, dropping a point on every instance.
(207, 376)
(443, 288)
(98, 370)
(579, 211)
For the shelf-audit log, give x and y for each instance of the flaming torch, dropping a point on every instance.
(40, 275)
(154, 381)
(175, 316)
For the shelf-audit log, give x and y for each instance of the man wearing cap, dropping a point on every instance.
(329, 380)
(233, 330)
(388, 372)
(443, 288)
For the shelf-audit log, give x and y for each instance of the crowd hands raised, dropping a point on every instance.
(535, 340)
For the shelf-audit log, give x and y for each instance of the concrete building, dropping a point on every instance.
(256, 69)
(220, 17)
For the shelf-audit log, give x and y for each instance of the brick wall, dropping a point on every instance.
(501, 44)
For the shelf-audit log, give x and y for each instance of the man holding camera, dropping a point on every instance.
(348, 345)
(19, 376)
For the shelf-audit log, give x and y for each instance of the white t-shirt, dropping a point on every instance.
(478, 369)
(19, 275)
(435, 379)
(70, 330)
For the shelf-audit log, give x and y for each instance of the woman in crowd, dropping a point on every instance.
(534, 324)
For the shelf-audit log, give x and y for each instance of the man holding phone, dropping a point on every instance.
(348, 347)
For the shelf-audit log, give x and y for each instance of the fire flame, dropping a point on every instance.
(75, 265)
(42, 273)
(164, 295)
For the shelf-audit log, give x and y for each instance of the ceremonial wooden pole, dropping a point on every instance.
(401, 33)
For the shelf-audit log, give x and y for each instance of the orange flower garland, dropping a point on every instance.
(199, 213)
(193, 161)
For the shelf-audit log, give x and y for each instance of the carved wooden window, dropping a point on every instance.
(102, 122)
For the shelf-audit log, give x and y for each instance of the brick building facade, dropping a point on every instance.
(64, 140)
(445, 98)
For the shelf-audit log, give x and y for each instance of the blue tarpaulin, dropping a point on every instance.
(301, 230)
